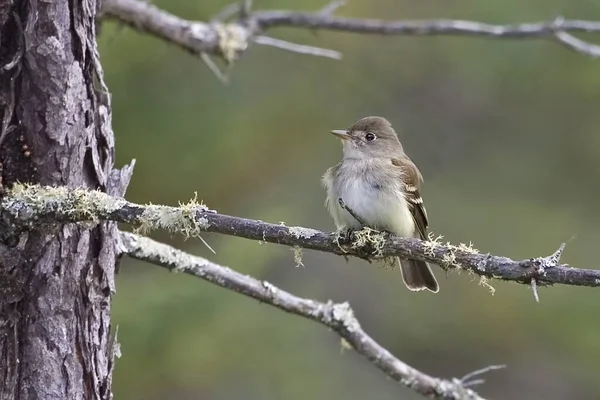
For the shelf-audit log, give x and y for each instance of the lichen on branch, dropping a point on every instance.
(24, 206)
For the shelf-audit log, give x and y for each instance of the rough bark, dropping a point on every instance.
(56, 283)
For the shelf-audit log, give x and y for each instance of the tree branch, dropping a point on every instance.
(337, 316)
(230, 40)
(28, 206)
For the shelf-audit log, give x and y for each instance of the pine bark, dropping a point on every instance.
(56, 281)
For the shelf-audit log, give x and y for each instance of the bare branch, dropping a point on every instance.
(297, 48)
(337, 316)
(225, 40)
(434, 27)
(536, 296)
(332, 7)
(468, 380)
(571, 42)
(27, 206)
(227, 12)
(214, 68)
(229, 40)
(577, 44)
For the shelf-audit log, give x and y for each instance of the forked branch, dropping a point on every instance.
(229, 39)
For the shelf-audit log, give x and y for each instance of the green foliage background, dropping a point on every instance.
(505, 133)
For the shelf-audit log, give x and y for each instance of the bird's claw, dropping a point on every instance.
(386, 233)
(346, 234)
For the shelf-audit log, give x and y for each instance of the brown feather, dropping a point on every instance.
(412, 179)
(417, 274)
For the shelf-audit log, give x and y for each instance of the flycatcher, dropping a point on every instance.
(380, 185)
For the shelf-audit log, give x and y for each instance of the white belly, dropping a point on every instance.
(383, 209)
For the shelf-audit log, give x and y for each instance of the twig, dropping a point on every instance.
(536, 296)
(214, 68)
(466, 380)
(337, 316)
(28, 206)
(577, 44)
(570, 41)
(198, 37)
(433, 27)
(330, 8)
(227, 12)
(297, 48)
(246, 9)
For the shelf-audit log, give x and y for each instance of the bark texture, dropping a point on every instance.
(56, 282)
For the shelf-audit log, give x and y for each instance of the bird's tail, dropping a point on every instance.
(417, 275)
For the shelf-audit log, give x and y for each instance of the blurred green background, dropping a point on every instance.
(505, 133)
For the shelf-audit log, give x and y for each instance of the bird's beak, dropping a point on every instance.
(342, 134)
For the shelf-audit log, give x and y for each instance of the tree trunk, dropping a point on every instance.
(56, 282)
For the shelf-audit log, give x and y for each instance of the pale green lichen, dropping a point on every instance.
(264, 239)
(298, 256)
(366, 238)
(462, 247)
(182, 219)
(78, 204)
(468, 248)
(190, 225)
(302, 233)
(429, 248)
(449, 259)
(90, 206)
(484, 281)
(451, 252)
(345, 345)
(433, 238)
(338, 235)
(434, 242)
(171, 219)
(233, 40)
(342, 313)
(369, 237)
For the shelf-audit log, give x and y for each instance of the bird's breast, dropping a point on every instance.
(377, 199)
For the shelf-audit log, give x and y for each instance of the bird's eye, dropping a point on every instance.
(370, 137)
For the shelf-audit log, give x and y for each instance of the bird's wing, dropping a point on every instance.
(412, 178)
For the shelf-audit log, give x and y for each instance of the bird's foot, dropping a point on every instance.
(349, 237)
(386, 234)
(345, 235)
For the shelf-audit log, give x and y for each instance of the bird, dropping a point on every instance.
(381, 186)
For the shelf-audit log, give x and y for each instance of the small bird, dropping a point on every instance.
(380, 185)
